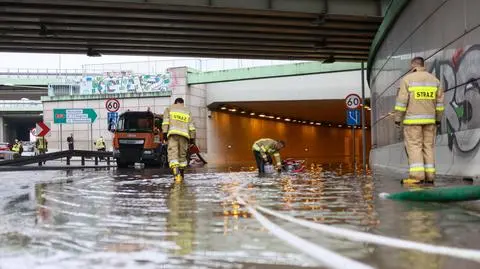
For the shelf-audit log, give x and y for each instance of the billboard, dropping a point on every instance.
(125, 82)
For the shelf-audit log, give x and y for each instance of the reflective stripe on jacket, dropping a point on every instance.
(419, 99)
(267, 146)
(177, 120)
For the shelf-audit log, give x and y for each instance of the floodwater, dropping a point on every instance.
(139, 218)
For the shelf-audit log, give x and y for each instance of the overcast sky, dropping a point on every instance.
(108, 62)
(64, 61)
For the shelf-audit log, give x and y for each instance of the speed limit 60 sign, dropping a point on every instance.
(112, 105)
(353, 101)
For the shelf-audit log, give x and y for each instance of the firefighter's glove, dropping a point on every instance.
(192, 141)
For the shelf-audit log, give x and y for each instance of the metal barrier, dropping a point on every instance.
(58, 155)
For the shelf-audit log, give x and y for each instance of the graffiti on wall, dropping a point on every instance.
(125, 82)
(460, 77)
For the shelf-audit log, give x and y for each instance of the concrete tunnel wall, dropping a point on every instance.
(324, 86)
(447, 34)
(215, 134)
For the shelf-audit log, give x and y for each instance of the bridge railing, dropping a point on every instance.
(20, 105)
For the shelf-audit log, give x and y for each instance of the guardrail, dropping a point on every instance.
(20, 105)
(58, 155)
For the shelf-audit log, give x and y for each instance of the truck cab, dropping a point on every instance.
(138, 138)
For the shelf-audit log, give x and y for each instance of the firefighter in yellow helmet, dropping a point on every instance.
(179, 129)
(264, 147)
(419, 106)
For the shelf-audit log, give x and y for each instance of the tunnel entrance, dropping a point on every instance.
(19, 126)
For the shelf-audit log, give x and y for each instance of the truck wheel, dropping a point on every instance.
(121, 164)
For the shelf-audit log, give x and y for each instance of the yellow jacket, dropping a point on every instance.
(419, 99)
(177, 119)
(41, 143)
(100, 144)
(268, 146)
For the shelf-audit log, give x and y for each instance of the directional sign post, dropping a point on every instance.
(352, 102)
(112, 105)
(353, 117)
(74, 115)
(42, 129)
(112, 119)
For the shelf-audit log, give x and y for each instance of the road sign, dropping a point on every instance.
(353, 117)
(112, 120)
(42, 128)
(112, 105)
(74, 115)
(353, 101)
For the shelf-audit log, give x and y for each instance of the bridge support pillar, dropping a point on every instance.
(2, 129)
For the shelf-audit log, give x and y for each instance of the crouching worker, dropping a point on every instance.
(265, 147)
(179, 130)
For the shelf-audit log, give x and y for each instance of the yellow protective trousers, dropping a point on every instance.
(420, 146)
(177, 151)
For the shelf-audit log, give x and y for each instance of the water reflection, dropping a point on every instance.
(141, 217)
(181, 217)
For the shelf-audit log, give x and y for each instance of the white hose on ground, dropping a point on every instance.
(327, 257)
(469, 254)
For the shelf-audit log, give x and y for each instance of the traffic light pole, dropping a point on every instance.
(364, 139)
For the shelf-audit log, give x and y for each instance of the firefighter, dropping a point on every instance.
(17, 148)
(265, 147)
(42, 145)
(179, 130)
(419, 106)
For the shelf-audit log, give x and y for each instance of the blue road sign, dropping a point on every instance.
(353, 117)
(112, 119)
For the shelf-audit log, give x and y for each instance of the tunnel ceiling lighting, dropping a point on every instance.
(287, 119)
(261, 115)
(223, 108)
(252, 114)
(232, 110)
(340, 125)
(294, 120)
(318, 123)
(304, 121)
(312, 122)
(329, 124)
(271, 117)
(243, 112)
(278, 118)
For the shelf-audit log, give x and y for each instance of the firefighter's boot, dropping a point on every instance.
(411, 181)
(177, 174)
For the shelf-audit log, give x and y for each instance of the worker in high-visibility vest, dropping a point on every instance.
(17, 148)
(179, 130)
(42, 145)
(419, 106)
(100, 145)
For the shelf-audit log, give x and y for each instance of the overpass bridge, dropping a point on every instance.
(339, 30)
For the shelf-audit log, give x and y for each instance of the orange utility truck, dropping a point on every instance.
(138, 138)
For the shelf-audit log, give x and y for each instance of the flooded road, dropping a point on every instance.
(142, 219)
